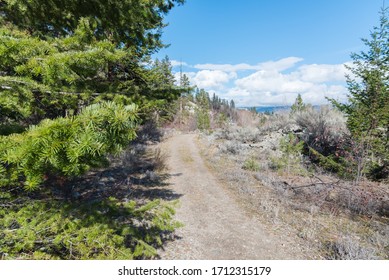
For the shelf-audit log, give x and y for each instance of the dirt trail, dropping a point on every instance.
(216, 227)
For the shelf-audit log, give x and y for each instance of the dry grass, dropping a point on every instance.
(186, 156)
(332, 218)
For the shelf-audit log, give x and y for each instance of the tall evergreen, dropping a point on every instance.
(75, 79)
(367, 108)
(58, 57)
(298, 105)
(127, 23)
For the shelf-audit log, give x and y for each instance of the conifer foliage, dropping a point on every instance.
(66, 147)
(134, 24)
(61, 56)
(368, 103)
(75, 82)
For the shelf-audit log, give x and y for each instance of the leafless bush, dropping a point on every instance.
(348, 249)
(278, 121)
(185, 122)
(237, 176)
(158, 159)
(362, 199)
(227, 133)
(330, 194)
(240, 134)
(149, 131)
(249, 135)
(246, 118)
(231, 147)
(324, 129)
(132, 158)
(140, 158)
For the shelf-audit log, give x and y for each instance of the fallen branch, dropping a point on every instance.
(312, 185)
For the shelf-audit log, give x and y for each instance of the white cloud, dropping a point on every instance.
(208, 79)
(315, 95)
(212, 79)
(279, 65)
(319, 73)
(175, 63)
(314, 82)
(227, 67)
(269, 83)
(272, 81)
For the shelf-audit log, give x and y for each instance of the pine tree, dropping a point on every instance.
(202, 111)
(185, 84)
(298, 105)
(73, 77)
(232, 104)
(367, 108)
(126, 23)
(58, 57)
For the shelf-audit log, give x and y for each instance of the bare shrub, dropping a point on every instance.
(323, 130)
(231, 147)
(185, 121)
(132, 158)
(240, 134)
(158, 160)
(278, 121)
(248, 135)
(348, 249)
(365, 199)
(149, 131)
(246, 118)
(227, 133)
(140, 158)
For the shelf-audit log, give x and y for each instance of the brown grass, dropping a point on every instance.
(333, 218)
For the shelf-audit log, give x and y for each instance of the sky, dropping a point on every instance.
(266, 52)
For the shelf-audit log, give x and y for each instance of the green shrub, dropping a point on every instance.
(251, 164)
(221, 120)
(332, 163)
(203, 120)
(63, 148)
(290, 160)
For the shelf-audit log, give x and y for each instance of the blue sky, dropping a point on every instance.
(265, 52)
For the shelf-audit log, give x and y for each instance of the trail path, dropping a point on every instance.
(216, 227)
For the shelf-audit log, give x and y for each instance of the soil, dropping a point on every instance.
(216, 225)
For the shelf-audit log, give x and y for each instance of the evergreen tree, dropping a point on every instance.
(160, 82)
(202, 111)
(232, 104)
(185, 83)
(74, 80)
(53, 66)
(163, 69)
(298, 105)
(126, 23)
(367, 108)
